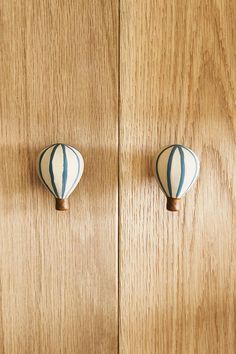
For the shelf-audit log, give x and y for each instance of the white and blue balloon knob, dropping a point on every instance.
(176, 168)
(60, 168)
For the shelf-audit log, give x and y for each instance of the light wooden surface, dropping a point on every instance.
(58, 271)
(178, 84)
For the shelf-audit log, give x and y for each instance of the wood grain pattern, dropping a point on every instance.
(178, 84)
(58, 276)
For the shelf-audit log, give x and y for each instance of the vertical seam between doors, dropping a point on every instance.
(118, 180)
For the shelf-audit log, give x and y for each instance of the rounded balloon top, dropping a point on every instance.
(176, 169)
(60, 167)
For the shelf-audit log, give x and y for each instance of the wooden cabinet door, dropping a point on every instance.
(58, 280)
(178, 85)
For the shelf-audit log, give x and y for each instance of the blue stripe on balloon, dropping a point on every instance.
(40, 169)
(51, 170)
(169, 169)
(181, 182)
(158, 177)
(196, 169)
(65, 170)
(157, 173)
(196, 165)
(76, 178)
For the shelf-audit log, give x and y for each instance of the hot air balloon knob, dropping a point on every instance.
(176, 169)
(60, 168)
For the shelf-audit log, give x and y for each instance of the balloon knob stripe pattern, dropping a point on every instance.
(60, 168)
(176, 169)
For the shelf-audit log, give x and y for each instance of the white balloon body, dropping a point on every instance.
(60, 168)
(176, 169)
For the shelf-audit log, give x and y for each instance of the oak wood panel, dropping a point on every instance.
(178, 85)
(58, 83)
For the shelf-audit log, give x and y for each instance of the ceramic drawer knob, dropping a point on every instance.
(176, 168)
(60, 168)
